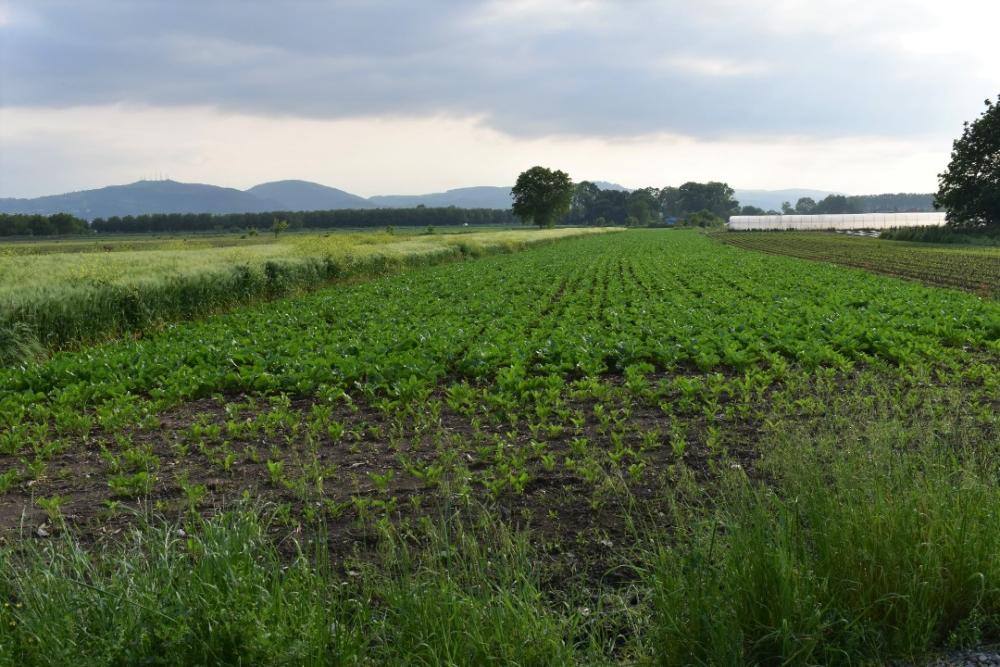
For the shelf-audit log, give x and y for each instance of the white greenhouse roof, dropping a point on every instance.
(838, 222)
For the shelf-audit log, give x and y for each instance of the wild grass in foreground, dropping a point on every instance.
(225, 595)
(885, 555)
(861, 554)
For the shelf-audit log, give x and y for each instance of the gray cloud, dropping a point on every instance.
(558, 67)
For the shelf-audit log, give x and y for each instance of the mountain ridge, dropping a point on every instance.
(143, 197)
(167, 196)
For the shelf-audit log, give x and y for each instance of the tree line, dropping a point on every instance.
(544, 197)
(341, 218)
(21, 224)
(838, 204)
(693, 204)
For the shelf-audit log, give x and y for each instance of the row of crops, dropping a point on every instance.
(689, 324)
(655, 407)
(972, 269)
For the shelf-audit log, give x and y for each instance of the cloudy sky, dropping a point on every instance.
(410, 96)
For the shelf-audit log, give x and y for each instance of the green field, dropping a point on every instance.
(57, 294)
(646, 447)
(971, 268)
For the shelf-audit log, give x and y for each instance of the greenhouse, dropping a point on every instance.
(835, 222)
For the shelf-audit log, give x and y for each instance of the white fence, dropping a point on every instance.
(836, 222)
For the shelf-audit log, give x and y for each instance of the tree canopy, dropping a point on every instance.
(835, 204)
(805, 205)
(714, 197)
(969, 189)
(336, 219)
(542, 196)
(19, 224)
(650, 206)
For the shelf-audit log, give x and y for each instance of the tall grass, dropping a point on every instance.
(883, 553)
(225, 596)
(18, 344)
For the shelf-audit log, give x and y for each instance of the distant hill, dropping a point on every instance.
(485, 196)
(772, 199)
(307, 196)
(143, 197)
(172, 197)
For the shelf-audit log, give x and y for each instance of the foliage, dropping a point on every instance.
(691, 197)
(902, 202)
(59, 224)
(975, 270)
(703, 219)
(278, 226)
(796, 463)
(831, 204)
(943, 234)
(644, 207)
(337, 219)
(105, 289)
(542, 196)
(835, 204)
(805, 205)
(18, 344)
(854, 562)
(969, 189)
(649, 206)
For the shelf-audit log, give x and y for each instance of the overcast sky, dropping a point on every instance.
(410, 96)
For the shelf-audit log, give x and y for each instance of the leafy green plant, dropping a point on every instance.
(132, 486)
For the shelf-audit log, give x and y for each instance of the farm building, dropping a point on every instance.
(835, 222)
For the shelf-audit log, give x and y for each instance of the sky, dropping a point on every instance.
(407, 96)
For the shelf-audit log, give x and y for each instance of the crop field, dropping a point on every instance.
(646, 447)
(62, 294)
(973, 269)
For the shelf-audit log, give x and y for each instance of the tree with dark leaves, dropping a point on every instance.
(542, 196)
(969, 189)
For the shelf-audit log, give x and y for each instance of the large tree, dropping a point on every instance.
(805, 205)
(542, 196)
(969, 189)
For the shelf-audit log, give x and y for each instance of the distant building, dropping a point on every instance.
(835, 222)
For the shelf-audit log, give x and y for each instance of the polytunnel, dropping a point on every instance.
(835, 222)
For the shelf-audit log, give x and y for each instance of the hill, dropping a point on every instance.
(143, 197)
(485, 196)
(307, 196)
